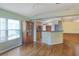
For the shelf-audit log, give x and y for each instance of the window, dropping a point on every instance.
(2, 29)
(44, 27)
(13, 29)
(9, 29)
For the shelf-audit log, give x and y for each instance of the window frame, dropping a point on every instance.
(6, 30)
(15, 29)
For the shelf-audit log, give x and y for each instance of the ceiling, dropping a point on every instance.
(42, 10)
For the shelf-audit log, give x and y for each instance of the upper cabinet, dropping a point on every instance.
(53, 27)
(48, 28)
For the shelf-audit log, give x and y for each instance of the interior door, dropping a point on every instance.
(27, 32)
(38, 36)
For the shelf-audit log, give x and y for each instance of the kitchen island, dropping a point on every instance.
(52, 37)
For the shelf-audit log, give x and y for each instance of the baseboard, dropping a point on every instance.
(57, 43)
(43, 43)
(52, 43)
(10, 48)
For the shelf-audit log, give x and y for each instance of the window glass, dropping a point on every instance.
(2, 35)
(13, 24)
(2, 29)
(9, 29)
(44, 27)
(2, 24)
(13, 29)
(13, 34)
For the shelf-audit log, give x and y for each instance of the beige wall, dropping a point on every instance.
(70, 27)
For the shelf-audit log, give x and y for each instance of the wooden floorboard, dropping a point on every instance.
(55, 50)
(68, 48)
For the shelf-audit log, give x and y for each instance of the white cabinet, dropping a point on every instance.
(52, 38)
(57, 37)
(46, 37)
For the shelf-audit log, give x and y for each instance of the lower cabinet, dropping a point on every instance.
(52, 38)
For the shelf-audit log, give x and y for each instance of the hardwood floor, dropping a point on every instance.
(70, 47)
(55, 50)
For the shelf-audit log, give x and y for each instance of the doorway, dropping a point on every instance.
(27, 28)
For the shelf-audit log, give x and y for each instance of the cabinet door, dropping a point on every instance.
(48, 28)
(48, 37)
(57, 38)
(43, 37)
